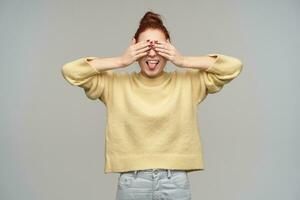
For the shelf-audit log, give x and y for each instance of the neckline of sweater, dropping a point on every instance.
(153, 81)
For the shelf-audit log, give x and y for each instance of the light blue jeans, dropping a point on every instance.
(154, 184)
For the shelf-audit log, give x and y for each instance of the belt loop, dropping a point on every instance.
(169, 173)
(135, 173)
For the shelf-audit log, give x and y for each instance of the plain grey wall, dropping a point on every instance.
(52, 136)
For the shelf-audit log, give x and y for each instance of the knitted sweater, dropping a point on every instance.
(152, 122)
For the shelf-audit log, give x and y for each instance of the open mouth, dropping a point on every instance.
(152, 64)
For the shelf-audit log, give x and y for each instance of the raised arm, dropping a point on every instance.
(211, 72)
(91, 73)
(101, 64)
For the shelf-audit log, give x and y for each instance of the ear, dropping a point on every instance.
(168, 40)
(133, 41)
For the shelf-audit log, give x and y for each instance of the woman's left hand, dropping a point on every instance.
(167, 50)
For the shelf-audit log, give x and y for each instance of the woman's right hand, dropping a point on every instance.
(134, 52)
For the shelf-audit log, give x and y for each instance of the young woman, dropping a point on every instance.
(151, 135)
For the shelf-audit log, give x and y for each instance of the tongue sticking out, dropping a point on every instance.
(151, 65)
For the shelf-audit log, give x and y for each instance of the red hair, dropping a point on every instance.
(151, 20)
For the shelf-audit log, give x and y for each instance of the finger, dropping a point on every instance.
(166, 51)
(157, 42)
(146, 48)
(162, 50)
(161, 46)
(162, 42)
(141, 55)
(164, 55)
(140, 45)
(164, 45)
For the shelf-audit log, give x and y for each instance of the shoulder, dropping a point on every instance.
(187, 72)
(117, 75)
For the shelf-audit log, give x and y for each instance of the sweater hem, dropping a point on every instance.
(187, 162)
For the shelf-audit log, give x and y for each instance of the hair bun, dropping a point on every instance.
(151, 20)
(151, 17)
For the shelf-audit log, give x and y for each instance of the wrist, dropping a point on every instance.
(121, 62)
(182, 61)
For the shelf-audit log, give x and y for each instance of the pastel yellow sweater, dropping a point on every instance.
(152, 123)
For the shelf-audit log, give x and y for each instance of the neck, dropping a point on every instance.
(152, 80)
(152, 77)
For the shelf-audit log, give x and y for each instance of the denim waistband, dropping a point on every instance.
(151, 173)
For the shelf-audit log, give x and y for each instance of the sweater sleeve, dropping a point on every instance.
(212, 80)
(94, 82)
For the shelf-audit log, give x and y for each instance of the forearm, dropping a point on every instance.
(198, 62)
(107, 63)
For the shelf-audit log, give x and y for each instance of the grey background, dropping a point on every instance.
(52, 136)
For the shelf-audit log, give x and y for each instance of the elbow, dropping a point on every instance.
(236, 65)
(239, 65)
(65, 70)
(67, 73)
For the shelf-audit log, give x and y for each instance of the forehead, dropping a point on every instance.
(152, 34)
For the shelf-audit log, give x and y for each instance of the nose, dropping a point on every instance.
(152, 52)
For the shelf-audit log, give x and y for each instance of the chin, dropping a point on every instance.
(152, 72)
